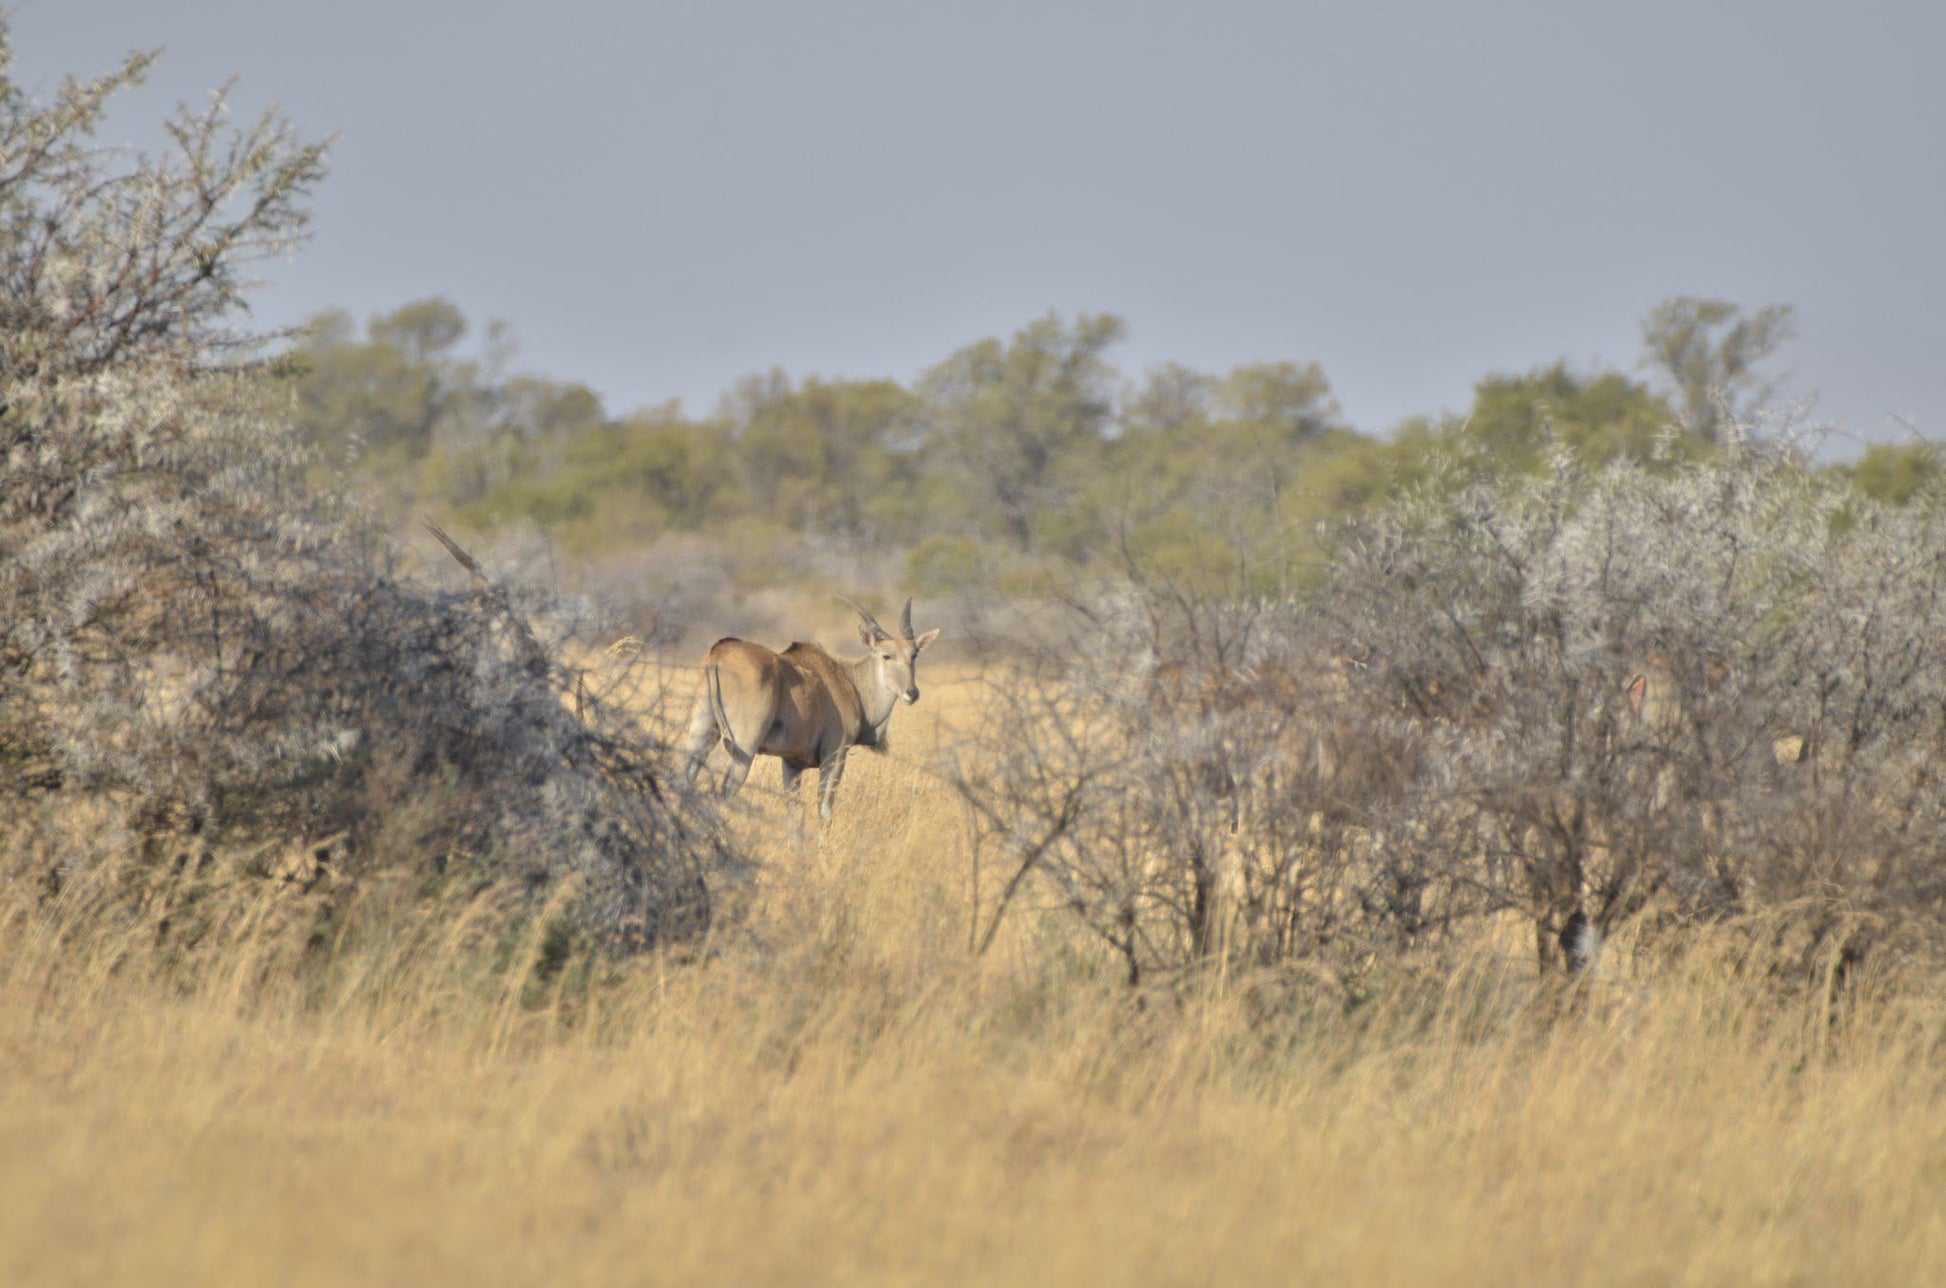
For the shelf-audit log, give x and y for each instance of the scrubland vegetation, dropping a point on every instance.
(842, 1095)
(1503, 850)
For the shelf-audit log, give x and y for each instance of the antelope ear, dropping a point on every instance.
(919, 644)
(866, 636)
(1638, 688)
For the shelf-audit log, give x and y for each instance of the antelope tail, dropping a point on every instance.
(713, 683)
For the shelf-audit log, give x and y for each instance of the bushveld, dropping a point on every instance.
(1452, 912)
(837, 1090)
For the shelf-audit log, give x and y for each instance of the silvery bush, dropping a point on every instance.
(1648, 692)
(199, 640)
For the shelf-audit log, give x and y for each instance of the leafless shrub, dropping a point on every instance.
(1180, 773)
(1596, 695)
(1614, 672)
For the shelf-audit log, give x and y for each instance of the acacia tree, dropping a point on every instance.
(391, 391)
(1206, 472)
(202, 646)
(1710, 350)
(1599, 415)
(122, 289)
(1180, 770)
(827, 457)
(147, 264)
(1018, 419)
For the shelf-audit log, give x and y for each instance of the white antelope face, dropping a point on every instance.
(895, 661)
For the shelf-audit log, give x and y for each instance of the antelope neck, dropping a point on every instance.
(876, 706)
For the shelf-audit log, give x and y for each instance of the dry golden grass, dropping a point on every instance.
(837, 1094)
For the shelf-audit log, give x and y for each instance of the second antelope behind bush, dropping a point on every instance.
(803, 706)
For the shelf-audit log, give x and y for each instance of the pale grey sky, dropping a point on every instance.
(660, 197)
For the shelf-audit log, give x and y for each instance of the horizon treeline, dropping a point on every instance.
(1008, 454)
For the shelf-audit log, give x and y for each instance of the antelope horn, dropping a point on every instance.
(868, 619)
(905, 618)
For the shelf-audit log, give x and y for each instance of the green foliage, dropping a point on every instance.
(1180, 548)
(1897, 473)
(1012, 452)
(834, 458)
(1709, 350)
(614, 484)
(386, 393)
(1599, 417)
(1280, 403)
(1210, 483)
(1022, 420)
(945, 563)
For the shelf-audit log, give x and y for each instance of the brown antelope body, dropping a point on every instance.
(803, 706)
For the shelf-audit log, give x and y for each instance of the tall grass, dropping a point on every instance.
(832, 1090)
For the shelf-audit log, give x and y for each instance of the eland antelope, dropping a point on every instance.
(803, 706)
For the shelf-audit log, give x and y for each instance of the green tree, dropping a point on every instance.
(424, 331)
(549, 414)
(389, 391)
(828, 457)
(1898, 472)
(1709, 350)
(1268, 411)
(619, 482)
(1282, 403)
(1172, 400)
(1600, 416)
(1206, 468)
(1019, 424)
(682, 467)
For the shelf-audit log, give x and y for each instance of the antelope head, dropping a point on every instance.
(894, 659)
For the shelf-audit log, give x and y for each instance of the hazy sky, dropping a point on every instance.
(661, 197)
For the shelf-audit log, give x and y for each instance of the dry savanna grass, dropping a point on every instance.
(836, 1092)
